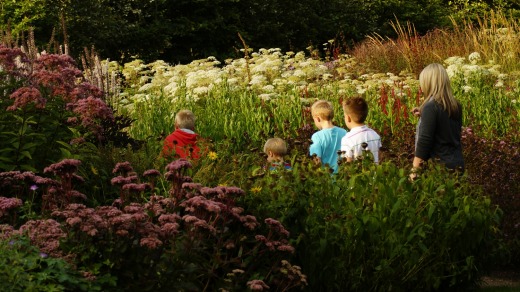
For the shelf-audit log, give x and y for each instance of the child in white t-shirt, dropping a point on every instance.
(360, 137)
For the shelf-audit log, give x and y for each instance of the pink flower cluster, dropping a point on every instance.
(26, 95)
(55, 78)
(46, 234)
(66, 167)
(91, 110)
(8, 204)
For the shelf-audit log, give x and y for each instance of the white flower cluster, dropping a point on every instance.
(466, 74)
(270, 73)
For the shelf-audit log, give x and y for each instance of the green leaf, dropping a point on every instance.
(25, 154)
(431, 210)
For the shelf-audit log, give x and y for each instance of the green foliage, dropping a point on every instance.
(369, 228)
(24, 268)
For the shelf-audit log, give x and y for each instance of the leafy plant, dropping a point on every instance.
(369, 228)
(24, 268)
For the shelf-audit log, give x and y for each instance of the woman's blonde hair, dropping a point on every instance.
(435, 83)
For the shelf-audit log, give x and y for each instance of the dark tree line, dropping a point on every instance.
(183, 30)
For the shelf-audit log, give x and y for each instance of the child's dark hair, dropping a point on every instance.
(357, 108)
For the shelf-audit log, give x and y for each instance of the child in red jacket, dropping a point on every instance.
(182, 143)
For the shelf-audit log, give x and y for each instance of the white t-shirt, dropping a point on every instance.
(352, 142)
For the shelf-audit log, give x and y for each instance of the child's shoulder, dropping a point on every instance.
(340, 129)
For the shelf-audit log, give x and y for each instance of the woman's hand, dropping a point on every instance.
(416, 112)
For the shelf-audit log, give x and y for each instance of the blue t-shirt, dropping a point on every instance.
(326, 143)
(277, 165)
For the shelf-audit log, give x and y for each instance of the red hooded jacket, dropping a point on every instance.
(179, 143)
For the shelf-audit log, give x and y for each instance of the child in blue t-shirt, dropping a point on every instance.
(327, 141)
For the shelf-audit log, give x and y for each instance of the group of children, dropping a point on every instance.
(326, 143)
(438, 133)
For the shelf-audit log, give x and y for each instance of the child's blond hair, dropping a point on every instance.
(276, 145)
(185, 119)
(323, 109)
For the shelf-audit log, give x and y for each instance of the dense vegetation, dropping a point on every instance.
(87, 203)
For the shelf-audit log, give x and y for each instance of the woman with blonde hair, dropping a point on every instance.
(438, 132)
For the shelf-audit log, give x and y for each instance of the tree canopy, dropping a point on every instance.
(183, 30)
